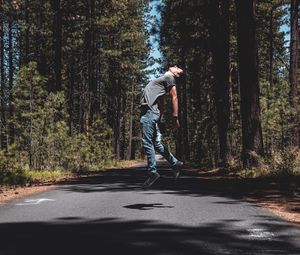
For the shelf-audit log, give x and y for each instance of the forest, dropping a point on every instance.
(72, 72)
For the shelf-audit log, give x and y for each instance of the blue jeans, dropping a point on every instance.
(151, 139)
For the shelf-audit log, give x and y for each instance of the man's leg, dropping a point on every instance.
(148, 132)
(163, 150)
(174, 162)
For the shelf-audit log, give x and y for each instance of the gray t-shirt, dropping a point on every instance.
(155, 89)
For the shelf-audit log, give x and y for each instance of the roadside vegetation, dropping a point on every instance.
(279, 164)
(28, 177)
(72, 72)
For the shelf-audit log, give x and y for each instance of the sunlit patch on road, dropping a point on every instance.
(260, 233)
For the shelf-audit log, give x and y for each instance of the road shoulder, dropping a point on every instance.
(265, 193)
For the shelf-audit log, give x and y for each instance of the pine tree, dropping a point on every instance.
(249, 86)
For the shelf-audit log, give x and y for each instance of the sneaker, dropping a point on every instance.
(153, 176)
(177, 168)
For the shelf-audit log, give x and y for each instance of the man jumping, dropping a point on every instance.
(151, 110)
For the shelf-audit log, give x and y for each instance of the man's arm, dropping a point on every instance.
(174, 99)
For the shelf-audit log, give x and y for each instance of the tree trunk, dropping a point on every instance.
(117, 129)
(249, 84)
(178, 134)
(134, 140)
(70, 92)
(2, 79)
(26, 54)
(184, 117)
(57, 44)
(91, 59)
(10, 133)
(31, 163)
(129, 148)
(182, 144)
(271, 56)
(220, 51)
(294, 41)
(41, 42)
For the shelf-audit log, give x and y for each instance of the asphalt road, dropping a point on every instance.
(111, 214)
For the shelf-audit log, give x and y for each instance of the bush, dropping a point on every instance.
(84, 152)
(43, 142)
(280, 163)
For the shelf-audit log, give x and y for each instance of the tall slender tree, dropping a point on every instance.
(11, 72)
(220, 51)
(249, 83)
(2, 78)
(57, 44)
(293, 77)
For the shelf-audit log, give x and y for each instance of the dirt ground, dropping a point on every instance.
(267, 193)
(274, 194)
(13, 192)
(284, 205)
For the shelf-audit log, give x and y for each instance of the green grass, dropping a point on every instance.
(31, 176)
(124, 163)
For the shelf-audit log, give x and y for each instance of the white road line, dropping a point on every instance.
(35, 201)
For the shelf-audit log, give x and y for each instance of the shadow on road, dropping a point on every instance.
(71, 235)
(147, 206)
(190, 183)
(114, 236)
